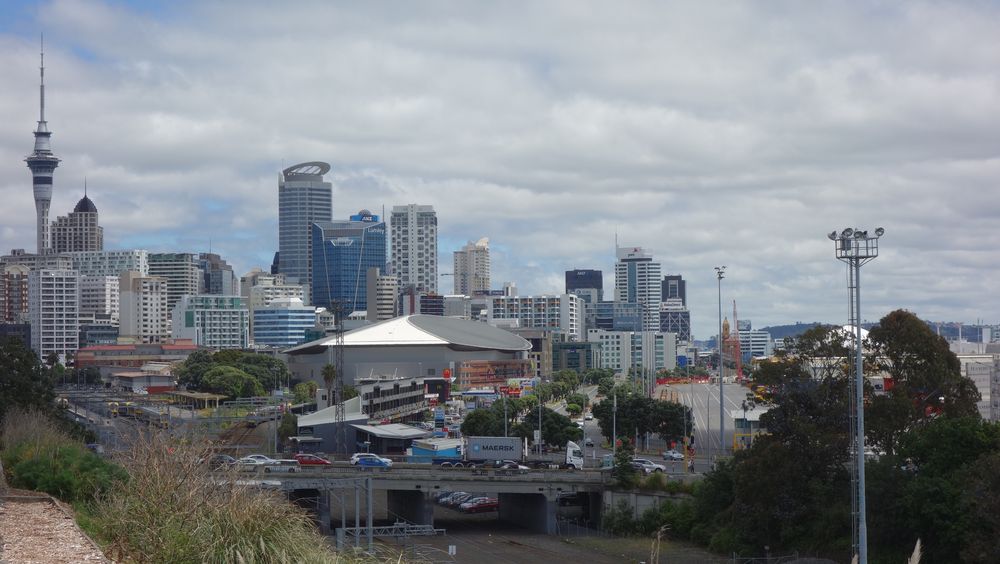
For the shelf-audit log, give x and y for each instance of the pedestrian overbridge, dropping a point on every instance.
(527, 497)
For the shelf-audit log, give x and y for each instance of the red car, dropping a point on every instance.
(480, 505)
(312, 460)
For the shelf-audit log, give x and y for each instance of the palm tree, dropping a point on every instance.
(329, 377)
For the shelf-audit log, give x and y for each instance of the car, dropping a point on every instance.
(457, 501)
(510, 465)
(289, 465)
(589, 416)
(444, 499)
(647, 466)
(258, 459)
(672, 455)
(374, 462)
(218, 461)
(588, 442)
(311, 460)
(480, 505)
(356, 457)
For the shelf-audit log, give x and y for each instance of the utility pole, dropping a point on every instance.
(720, 272)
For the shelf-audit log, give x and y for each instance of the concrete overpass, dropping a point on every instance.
(529, 498)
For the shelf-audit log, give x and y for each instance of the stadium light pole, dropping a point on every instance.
(856, 248)
(720, 272)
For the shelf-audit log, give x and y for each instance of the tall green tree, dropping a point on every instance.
(482, 423)
(329, 373)
(190, 372)
(231, 382)
(24, 382)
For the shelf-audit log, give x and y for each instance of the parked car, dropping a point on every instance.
(218, 461)
(374, 461)
(480, 505)
(589, 416)
(444, 499)
(647, 466)
(672, 455)
(312, 460)
(456, 501)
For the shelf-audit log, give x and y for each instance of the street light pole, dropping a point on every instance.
(614, 423)
(720, 272)
(855, 248)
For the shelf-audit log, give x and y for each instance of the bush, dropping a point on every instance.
(655, 482)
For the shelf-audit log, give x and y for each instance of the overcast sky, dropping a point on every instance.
(729, 133)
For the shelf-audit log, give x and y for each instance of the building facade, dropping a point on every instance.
(382, 295)
(674, 287)
(586, 282)
(110, 263)
(638, 281)
(100, 295)
(343, 251)
(143, 303)
(559, 314)
(283, 322)
(414, 245)
(471, 269)
(675, 318)
(623, 351)
(79, 230)
(53, 310)
(216, 322)
(303, 199)
(14, 293)
(180, 270)
(217, 276)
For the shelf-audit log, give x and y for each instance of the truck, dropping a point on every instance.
(478, 452)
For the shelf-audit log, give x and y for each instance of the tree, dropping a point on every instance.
(231, 382)
(305, 392)
(482, 423)
(573, 409)
(270, 371)
(288, 427)
(24, 382)
(190, 372)
(557, 429)
(606, 385)
(568, 377)
(623, 473)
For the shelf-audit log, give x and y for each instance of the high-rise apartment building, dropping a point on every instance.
(303, 199)
(78, 230)
(472, 268)
(14, 293)
(383, 295)
(143, 304)
(42, 163)
(415, 247)
(53, 309)
(282, 323)
(217, 322)
(559, 314)
(32, 261)
(638, 280)
(343, 251)
(110, 263)
(99, 296)
(217, 276)
(180, 270)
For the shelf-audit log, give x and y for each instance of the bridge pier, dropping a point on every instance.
(536, 512)
(323, 511)
(412, 505)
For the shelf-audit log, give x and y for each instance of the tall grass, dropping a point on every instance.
(173, 510)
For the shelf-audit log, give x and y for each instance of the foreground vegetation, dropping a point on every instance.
(937, 477)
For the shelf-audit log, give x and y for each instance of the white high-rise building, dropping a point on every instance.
(143, 303)
(100, 295)
(303, 199)
(414, 246)
(382, 294)
(181, 272)
(559, 314)
(217, 322)
(110, 263)
(472, 268)
(258, 277)
(624, 350)
(638, 281)
(53, 308)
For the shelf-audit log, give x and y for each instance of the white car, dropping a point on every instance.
(257, 459)
(589, 416)
(369, 459)
(647, 466)
(672, 455)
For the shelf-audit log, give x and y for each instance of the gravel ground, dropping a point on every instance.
(40, 532)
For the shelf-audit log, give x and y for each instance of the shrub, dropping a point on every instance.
(654, 482)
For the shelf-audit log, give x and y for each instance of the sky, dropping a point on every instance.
(708, 133)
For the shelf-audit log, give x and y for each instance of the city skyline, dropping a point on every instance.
(708, 136)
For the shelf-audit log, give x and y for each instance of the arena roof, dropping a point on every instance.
(423, 330)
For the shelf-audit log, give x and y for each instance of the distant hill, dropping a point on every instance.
(779, 332)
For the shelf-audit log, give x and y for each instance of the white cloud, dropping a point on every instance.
(709, 134)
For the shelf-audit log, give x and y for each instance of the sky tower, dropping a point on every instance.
(42, 164)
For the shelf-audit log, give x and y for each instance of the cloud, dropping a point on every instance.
(708, 134)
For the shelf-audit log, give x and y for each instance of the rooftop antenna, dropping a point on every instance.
(84, 186)
(41, 85)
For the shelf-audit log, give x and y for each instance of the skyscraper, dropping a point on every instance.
(674, 287)
(638, 280)
(414, 247)
(472, 268)
(54, 301)
(78, 230)
(586, 283)
(143, 305)
(343, 251)
(181, 271)
(42, 164)
(303, 199)
(217, 276)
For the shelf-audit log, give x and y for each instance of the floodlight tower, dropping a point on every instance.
(720, 272)
(856, 248)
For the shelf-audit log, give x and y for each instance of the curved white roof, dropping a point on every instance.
(424, 330)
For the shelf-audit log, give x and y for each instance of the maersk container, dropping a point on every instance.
(493, 448)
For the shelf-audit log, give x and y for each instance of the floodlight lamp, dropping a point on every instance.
(832, 235)
(860, 234)
(845, 234)
(879, 232)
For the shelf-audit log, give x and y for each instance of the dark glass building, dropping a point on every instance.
(343, 251)
(674, 287)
